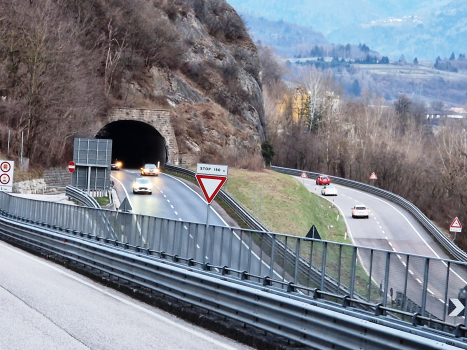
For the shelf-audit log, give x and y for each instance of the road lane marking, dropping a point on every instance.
(180, 219)
(197, 246)
(410, 271)
(123, 300)
(418, 280)
(416, 231)
(172, 206)
(168, 200)
(124, 189)
(176, 213)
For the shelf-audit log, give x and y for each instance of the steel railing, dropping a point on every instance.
(450, 246)
(81, 197)
(414, 288)
(288, 313)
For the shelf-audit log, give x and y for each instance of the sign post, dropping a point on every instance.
(373, 176)
(6, 175)
(210, 178)
(455, 227)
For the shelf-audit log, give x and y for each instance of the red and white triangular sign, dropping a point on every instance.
(303, 176)
(210, 185)
(456, 223)
(373, 176)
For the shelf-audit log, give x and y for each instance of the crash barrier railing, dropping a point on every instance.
(450, 246)
(289, 313)
(314, 274)
(387, 280)
(238, 209)
(81, 197)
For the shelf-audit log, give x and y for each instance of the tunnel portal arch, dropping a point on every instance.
(140, 136)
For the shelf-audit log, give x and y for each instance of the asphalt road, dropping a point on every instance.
(390, 227)
(173, 199)
(45, 306)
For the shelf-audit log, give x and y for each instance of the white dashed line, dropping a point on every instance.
(380, 227)
(419, 281)
(441, 301)
(386, 237)
(403, 263)
(180, 219)
(429, 291)
(197, 246)
(172, 206)
(410, 271)
(164, 195)
(186, 229)
(191, 236)
(384, 232)
(176, 213)
(390, 243)
(168, 200)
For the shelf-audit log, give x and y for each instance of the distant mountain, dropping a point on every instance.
(418, 28)
(285, 37)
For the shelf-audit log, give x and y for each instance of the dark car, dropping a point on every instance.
(117, 165)
(150, 169)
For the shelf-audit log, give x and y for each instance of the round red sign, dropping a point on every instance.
(71, 166)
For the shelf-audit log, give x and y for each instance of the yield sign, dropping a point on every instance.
(455, 226)
(303, 176)
(211, 185)
(373, 176)
(456, 306)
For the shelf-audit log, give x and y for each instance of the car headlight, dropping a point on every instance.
(118, 164)
(135, 185)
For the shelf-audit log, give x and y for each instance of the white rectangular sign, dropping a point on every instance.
(212, 169)
(6, 175)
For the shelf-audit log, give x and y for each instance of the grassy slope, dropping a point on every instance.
(286, 205)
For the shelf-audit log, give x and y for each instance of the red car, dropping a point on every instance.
(323, 180)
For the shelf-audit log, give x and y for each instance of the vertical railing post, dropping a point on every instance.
(386, 280)
(448, 271)
(352, 272)
(273, 249)
(323, 265)
(297, 260)
(425, 286)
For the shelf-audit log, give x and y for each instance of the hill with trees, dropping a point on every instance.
(64, 64)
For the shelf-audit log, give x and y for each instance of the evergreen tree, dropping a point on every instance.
(415, 61)
(267, 149)
(453, 57)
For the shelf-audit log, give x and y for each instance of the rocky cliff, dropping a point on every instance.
(73, 61)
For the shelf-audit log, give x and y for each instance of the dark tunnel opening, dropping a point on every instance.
(134, 143)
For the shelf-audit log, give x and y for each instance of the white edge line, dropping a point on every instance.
(418, 233)
(124, 189)
(124, 301)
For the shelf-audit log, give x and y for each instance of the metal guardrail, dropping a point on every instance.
(345, 271)
(287, 313)
(450, 246)
(81, 197)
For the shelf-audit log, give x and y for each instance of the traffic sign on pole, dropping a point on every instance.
(455, 226)
(71, 167)
(6, 175)
(373, 176)
(303, 176)
(210, 185)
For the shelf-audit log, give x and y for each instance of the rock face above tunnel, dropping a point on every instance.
(215, 93)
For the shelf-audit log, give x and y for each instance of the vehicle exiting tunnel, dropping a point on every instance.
(134, 143)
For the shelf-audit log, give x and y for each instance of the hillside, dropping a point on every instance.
(421, 28)
(65, 64)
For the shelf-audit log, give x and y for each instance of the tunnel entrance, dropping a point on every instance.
(134, 143)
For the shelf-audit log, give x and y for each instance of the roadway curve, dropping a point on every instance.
(46, 306)
(391, 227)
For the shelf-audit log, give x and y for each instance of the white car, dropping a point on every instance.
(329, 190)
(360, 211)
(142, 185)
